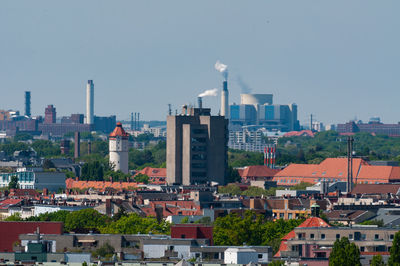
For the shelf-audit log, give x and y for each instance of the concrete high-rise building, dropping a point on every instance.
(118, 147)
(28, 103)
(50, 114)
(196, 147)
(89, 102)
(225, 100)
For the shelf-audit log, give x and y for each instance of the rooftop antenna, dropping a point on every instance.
(169, 109)
(349, 184)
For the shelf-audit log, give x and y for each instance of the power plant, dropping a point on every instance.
(89, 102)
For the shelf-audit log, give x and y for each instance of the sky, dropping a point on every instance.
(338, 60)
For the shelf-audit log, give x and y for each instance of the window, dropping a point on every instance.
(351, 236)
(290, 216)
(260, 256)
(281, 215)
(337, 236)
(362, 249)
(376, 236)
(312, 236)
(322, 236)
(391, 237)
(183, 236)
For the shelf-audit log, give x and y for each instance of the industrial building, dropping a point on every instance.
(196, 147)
(258, 109)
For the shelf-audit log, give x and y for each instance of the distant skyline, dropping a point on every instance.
(336, 60)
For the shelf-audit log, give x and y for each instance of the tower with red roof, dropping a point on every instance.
(118, 149)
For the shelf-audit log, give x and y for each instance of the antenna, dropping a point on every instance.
(169, 109)
(350, 141)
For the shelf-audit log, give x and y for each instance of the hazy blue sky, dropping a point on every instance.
(336, 59)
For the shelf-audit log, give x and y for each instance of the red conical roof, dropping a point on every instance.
(119, 131)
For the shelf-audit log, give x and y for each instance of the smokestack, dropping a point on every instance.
(89, 102)
(28, 103)
(77, 152)
(225, 100)
(200, 102)
(89, 147)
(131, 121)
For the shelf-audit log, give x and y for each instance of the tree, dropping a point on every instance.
(204, 220)
(13, 184)
(185, 220)
(377, 260)
(344, 253)
(142, 178)
(379, 223)
(394, 259)
(47, 164)
(134, 224)
(232, 175)
(252, 229)
(105, 251)
(86, 219)
(254, 192)
(276, 263)
(231, 189)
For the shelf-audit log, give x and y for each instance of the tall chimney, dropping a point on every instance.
(77, 152)
(225, 100)
(89, 102)
(28, 103)
(200, 102)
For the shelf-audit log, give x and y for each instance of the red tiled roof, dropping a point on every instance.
(379, 172)
(9, 202)
(119, 131)
(333, 168)
(302, 133)
(153, 172)
(99, 185)
(310, 222)
(258, 171)
(173, 207)
(376, 189)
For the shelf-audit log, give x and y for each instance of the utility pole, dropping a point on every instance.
(349, 184)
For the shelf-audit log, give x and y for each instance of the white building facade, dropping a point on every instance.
(119, 148)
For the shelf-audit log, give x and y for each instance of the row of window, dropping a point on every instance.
(357, 236)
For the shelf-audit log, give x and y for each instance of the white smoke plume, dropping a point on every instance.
(222, 68)
(213, 92)
(243, 85)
